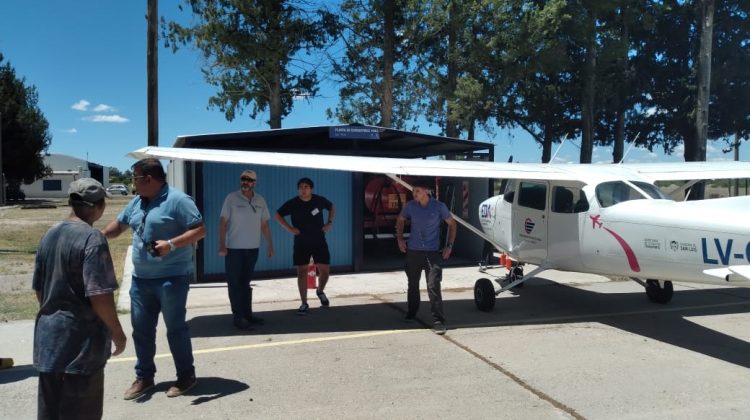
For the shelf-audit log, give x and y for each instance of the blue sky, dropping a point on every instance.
(87, 59)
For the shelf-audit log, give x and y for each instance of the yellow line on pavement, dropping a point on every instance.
(279, 343)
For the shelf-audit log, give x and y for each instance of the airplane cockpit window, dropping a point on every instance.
(532, 195)
(611, 193)
(508, 196)
(651, 189)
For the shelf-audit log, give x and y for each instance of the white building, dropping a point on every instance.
(65, 169)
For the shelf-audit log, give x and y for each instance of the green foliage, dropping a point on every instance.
(376, 64)
(255, 52)
(25, 135)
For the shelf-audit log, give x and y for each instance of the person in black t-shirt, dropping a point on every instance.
(309, 230)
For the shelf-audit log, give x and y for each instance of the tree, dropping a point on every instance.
(374, 68)
(25, 132)
(254, 52)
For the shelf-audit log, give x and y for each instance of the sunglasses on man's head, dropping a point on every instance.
(247, 179)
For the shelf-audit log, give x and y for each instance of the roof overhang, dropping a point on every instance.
(358, 140)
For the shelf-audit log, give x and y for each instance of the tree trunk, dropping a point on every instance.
(386, 104)
(451, 127)
(589, 86)
(704, 79)
(275, 99)
(618, 148)
(547, 143)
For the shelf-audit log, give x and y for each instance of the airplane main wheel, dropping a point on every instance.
(484, 295)
(659, 294)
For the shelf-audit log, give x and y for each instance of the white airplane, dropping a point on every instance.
(600, 219)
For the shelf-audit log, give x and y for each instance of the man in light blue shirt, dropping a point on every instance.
(423, 250)
(165, 223)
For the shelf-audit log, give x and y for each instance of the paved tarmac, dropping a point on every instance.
(580, 346)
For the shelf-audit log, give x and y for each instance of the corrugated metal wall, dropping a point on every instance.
(276, 185)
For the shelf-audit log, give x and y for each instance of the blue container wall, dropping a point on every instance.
(276, 185)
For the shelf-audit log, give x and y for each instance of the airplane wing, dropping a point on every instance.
(668, 171)
(681, 171)
(733, 273)
(417, 167)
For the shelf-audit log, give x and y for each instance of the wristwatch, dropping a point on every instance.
(449, 245)
(172, 247)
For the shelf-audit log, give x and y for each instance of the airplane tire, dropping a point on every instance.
(484, 295)
(658, 294)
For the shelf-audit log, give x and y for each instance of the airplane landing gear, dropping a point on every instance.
(658, 293)
(484, 295)
(516, 273)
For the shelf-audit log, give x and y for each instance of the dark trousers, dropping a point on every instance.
(240, 265)
(427, 261)
(64, 396)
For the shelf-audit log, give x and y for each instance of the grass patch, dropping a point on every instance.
(20, 232)
(15, 306)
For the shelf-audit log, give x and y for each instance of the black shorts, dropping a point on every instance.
(318, 250)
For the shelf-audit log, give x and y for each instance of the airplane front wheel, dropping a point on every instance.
(658, 294)
(484, 295)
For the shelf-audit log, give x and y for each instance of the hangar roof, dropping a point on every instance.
(360, 140)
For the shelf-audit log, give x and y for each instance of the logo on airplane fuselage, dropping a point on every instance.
(724, 253)
(629, 254)
(528, 225)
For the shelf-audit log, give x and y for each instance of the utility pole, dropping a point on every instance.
(152, 70)
(2, 174)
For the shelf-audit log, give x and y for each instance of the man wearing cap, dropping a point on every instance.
(244, 216)
(165, 223)
(74, 280)
(423, 250)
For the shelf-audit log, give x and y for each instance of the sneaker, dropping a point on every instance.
(139, 387)
(438, 328)
(183, 385)
(323, 299)
(303, 309)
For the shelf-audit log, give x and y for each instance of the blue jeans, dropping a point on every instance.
(167, 295)
(240, 265)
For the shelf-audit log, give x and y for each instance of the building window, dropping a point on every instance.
(52, 185)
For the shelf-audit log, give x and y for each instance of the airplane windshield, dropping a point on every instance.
(611, 193)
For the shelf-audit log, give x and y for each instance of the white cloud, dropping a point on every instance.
(104, 108)
(69, 130)
(82, 105)
(106, 119)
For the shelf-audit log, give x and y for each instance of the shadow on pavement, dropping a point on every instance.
(207, 389)
(541, 302)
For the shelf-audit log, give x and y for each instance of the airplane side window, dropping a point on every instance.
(562, 201)
(582, 204)
(532, 195)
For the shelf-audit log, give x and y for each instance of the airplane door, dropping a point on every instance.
(530, 221)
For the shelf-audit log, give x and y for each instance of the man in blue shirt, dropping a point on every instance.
(423, 250)
(165, 223)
